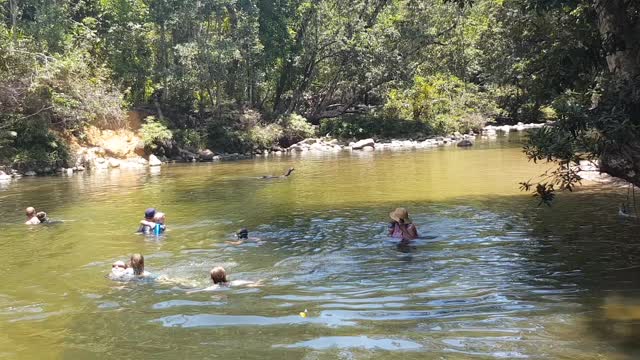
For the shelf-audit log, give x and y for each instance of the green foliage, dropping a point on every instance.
(373, 126)
(444, 103)
(295, 128)
(264, 136)
(154, 133)
(191, 139)
(36, 147)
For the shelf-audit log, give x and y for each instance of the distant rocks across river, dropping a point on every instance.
(102, 159)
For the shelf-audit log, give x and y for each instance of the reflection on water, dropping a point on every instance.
(494, 277)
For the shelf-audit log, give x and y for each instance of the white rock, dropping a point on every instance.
(154, 161)
(114, 163)
(69, 172)
(30, 173)
(362, 143)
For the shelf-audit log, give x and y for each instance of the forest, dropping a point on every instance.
(244, 75)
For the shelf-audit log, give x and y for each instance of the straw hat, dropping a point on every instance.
(400, 214)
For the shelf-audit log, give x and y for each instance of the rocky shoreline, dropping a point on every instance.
(103, 158)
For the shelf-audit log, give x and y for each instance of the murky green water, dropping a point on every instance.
(498, 277)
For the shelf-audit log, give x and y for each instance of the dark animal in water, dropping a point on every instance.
(278, 177)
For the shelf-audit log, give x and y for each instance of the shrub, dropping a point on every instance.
(154, 133)
(373, 126)
(295, 128)
(191, 138)
(265, 137)
(445, 103)
(36, 147)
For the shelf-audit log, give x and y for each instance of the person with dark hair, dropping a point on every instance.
(153, 222)
(285, 175)
(243, 236)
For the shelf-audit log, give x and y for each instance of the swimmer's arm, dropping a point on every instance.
(412, 231)
(246, 283)
(147, 223)
(210, 288)
(239, 242)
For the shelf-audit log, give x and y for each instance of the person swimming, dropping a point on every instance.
(153, 222)
(221, 281)
(42, 216)
(285, 175)
(32, 218)
(135, 266)
(402, 227)
(118, 270)
(243, 236)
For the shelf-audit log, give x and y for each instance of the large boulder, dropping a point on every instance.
(359, 145)
(186, 155)
(154, 161)
(206, 155)
(465, 143)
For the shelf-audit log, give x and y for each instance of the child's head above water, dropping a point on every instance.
(118, 265)
(243, 234)
(137, 264)
(159, 218)
(218, 275)
(42, 216)
(30, 212)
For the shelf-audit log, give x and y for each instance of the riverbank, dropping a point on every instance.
(103, 150)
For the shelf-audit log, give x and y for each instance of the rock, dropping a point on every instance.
(142, 161)
(60, 170)
(206, 155)
(362, 143)
(368, 148)
(216, 158)
(139, 148)
(297, 147)
(69, 172)
(4, 176)
(30, 173)
(116, 146)
(47, 170)
(154, 161)
(465, 143)
(100, 160)
(187, 155)
(79, 168)
(309, 141)
(114, 163)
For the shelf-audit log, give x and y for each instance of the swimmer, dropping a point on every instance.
(151, 218)
(243, 236)
(220, 280)
(118, 269)
(136, 266)
(401, 227)
(42, 216)
(285, 175)
(32, 218)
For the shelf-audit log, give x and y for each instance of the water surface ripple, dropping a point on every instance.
(493, 278)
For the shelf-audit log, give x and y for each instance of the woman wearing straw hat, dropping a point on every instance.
(401, 227)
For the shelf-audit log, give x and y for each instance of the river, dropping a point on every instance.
(496, 277)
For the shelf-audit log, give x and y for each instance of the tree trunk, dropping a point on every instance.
(13, 9)
(621, 36)
(620, 32)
